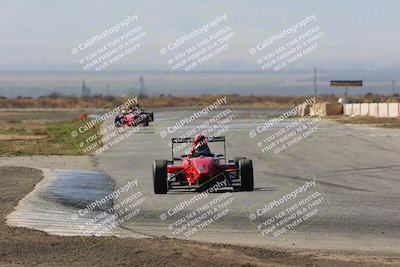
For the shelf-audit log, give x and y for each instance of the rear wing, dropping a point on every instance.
(211, 139)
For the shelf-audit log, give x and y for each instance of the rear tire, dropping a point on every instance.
(246, 175)
(151, 116)
(236, 160)
(160, 176)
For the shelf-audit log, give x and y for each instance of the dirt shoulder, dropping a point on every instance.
(393, 123)
(21, 246)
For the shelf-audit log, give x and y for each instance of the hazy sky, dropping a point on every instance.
(358, 34)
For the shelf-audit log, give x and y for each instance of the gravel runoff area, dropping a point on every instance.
(21, 246)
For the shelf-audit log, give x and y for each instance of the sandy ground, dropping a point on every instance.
(50, 162)
(20, 246)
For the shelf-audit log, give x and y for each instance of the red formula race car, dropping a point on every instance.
(198, 172)
(134, 117)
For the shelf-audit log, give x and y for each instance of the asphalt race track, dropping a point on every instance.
(356, 170)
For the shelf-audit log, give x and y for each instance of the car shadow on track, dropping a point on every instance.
(221, 191)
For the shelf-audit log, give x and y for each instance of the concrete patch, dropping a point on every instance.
(55, 202)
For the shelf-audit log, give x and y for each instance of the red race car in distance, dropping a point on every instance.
(198, 172)
(134, 117)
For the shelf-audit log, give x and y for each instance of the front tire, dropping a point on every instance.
(246, 175)
(117, 121)
(160, 176)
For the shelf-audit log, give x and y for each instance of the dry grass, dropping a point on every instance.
(40, 137)
(267, 101)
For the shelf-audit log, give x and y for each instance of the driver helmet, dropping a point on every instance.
(199, 138)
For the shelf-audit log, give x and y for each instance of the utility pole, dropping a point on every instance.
(394, 87)
(141, 87)
(315, 81)
(83, 89)
(108, 89)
